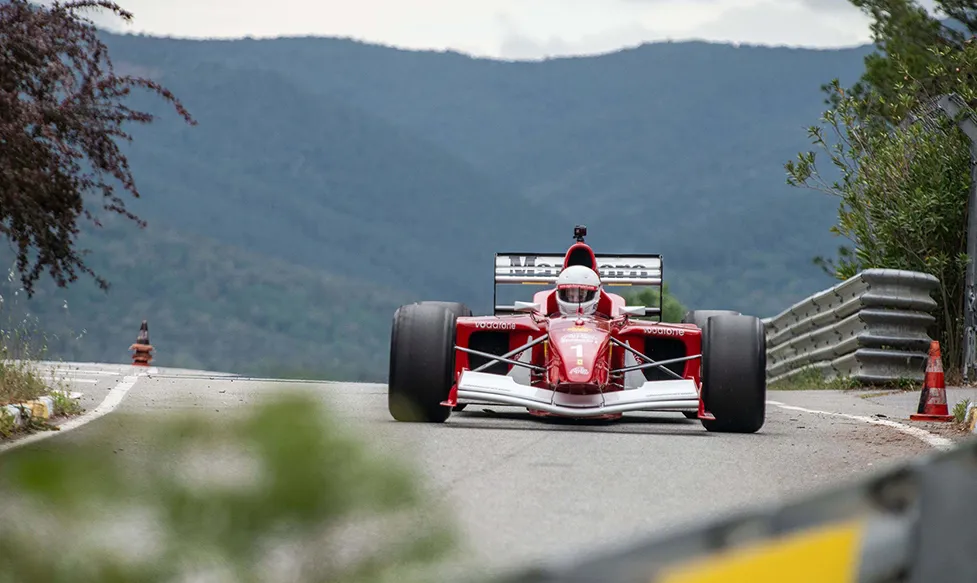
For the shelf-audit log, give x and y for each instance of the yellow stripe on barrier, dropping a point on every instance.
(820, 555)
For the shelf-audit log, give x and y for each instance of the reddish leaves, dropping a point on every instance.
(60, 117)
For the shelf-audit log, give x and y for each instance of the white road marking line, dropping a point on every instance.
(108, 404)
(74, 380)
(927, 437)
(72, 371)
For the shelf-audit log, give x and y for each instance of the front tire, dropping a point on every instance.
(701, 319)
(422, 349)
(734, 373)
(460, 310)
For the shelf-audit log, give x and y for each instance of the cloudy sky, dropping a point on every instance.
(509, 29)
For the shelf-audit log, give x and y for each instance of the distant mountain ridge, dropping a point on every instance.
(408, 170)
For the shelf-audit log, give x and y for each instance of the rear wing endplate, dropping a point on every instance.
(637, 270)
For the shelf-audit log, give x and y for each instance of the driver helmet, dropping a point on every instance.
(577, 290)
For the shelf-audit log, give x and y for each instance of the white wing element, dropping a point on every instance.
(644, 270)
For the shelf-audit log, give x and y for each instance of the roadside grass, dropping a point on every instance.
(960, 418)
(812, 379)
(23, 344)
(19, 382)
(960, 410)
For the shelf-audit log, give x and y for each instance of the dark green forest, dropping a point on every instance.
(329, 181)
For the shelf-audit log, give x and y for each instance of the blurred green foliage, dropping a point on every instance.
(274, 493)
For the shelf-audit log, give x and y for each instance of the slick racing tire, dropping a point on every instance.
(460, 311)
(422, 348)
(457, 308)
(734, 373)
(700, 319)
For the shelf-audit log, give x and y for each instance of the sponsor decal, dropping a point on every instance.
(497, 325)
(527, 265)
(623, 270)
(580, 370)
(580, 329)
(666, 331)
(578, 338)
(609, 268)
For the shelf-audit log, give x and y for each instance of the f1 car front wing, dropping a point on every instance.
(666, 395)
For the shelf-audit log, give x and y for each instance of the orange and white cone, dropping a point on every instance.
(932, 400)
(142, 350)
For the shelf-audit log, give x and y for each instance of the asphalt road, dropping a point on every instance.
(525, 490)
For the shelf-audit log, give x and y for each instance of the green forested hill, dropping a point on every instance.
(330, 180)
(211, 306)
(627, 142)
(277, 169)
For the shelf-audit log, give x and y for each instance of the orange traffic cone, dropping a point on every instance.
(932, 400)
(142, 349)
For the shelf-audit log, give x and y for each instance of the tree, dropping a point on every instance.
(905, 35)
(61, 112)
(902, 188)
(673, 311)
(900, 29)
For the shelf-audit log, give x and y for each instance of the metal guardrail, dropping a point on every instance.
(914, 523)
(872, 327)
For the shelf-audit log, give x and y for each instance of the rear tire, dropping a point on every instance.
(734, 373)
(701, 317)
(459, 309)
(422, 349)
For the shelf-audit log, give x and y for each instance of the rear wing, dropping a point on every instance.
(634, 270)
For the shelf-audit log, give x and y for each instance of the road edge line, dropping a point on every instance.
(931, 439)
(108, 404)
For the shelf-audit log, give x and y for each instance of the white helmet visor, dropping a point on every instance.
(577, 294)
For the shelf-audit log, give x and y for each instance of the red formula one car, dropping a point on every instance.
(598, 364)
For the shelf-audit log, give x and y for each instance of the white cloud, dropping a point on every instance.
(509, 28)
(833, 23)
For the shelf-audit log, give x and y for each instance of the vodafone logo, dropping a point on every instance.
(665, 331)
(496, 325)
(579, 370)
